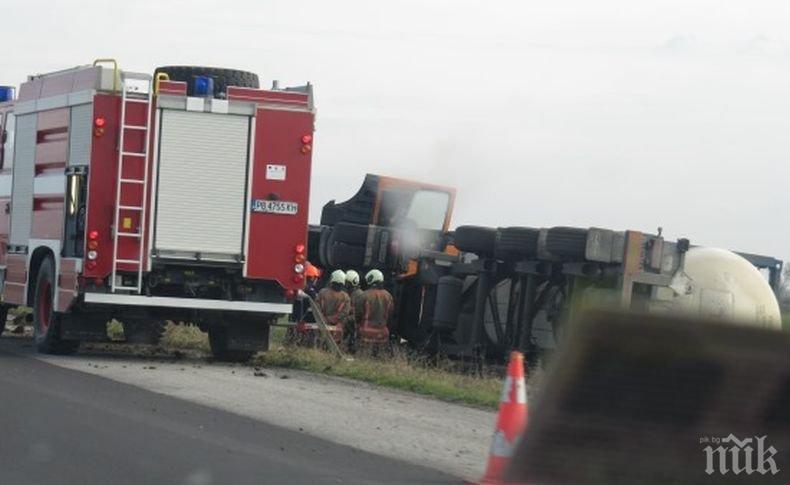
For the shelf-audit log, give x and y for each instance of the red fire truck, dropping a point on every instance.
(179, 196)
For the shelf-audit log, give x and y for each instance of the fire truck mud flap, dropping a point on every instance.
(192, 303)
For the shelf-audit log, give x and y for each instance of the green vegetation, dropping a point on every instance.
(184, 337)
(442, 380)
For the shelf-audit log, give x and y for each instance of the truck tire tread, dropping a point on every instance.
(222, 77)
(476, 239)
(567, 242)
(516, 243)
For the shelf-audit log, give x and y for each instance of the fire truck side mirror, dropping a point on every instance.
(7, 207)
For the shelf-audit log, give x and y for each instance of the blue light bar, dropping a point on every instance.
(203, 86)
(6, 93)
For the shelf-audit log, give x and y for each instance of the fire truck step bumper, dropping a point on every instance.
(198, 304)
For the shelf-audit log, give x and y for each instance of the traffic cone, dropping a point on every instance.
(511, 421)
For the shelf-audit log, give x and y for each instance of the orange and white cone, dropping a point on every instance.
(511, 421)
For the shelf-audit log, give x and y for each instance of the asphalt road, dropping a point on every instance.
(68, 427)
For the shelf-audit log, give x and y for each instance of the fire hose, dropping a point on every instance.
(322, 326)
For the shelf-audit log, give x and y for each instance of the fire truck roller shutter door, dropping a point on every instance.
(22, 195)
(202, 182)
(80, 134)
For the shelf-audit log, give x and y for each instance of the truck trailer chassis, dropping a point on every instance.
(478, 292)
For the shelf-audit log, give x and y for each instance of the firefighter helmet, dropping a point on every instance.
(352, 277)
(374, 276)
(338, 277)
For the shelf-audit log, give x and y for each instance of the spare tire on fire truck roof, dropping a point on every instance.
(222, 77)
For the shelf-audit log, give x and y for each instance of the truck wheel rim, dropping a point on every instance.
(44, 305)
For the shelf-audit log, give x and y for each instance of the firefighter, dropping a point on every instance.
(376, 312)
(301, 308)
(334, 303)
(354, 291)
(311, 274)
(355, 294)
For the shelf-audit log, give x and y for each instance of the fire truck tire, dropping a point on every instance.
(157, 331)
(476, 239)
(218, 341)
(516, 243)
(3, 317)
(46, 322)
(567, 242)
(144, 332)
(345, 232)
(222, 77)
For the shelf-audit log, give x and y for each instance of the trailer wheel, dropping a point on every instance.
(218, 341)
(222, 77)
(3, 317)
(46, 322)
(356, 234)
(476, 239)
(343, 255)
(323, 248)
(516, 243)
(567, 242)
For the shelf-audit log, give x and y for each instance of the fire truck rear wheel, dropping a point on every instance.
(46, 321)
(3, 317)
(218, 341)
(222, 77)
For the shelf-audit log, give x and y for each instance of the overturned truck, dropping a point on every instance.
(482, 291)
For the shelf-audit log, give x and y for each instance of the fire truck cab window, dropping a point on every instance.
(7, 149)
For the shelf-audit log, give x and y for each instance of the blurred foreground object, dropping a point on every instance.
(648, 399)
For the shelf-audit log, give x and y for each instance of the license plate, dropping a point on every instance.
(275, 207)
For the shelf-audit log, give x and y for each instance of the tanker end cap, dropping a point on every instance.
(724, 286)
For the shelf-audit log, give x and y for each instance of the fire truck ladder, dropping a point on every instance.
(138, 91)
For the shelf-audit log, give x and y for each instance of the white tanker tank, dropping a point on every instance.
(721, 285)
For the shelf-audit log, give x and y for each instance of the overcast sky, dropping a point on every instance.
(615, 114)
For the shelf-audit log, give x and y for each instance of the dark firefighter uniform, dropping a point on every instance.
(335, 304)
(375, 312)
(357, 305)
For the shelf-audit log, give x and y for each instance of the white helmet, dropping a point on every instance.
(352, 277)
(374, 276)
(338, 276)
